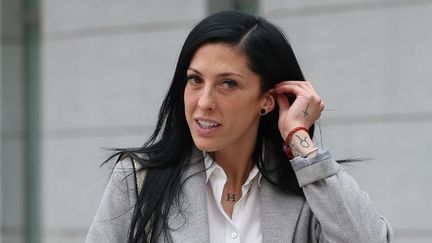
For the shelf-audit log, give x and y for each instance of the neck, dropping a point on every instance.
(236, 162)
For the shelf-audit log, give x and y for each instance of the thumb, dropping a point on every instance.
(283, 103)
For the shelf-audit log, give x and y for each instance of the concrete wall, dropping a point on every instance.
(105, 60)
(11, 124)
(370, 61)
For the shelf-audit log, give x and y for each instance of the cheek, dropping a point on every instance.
(189, 104)
(241, 113)
(244, 106)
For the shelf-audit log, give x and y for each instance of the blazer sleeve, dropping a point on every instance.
(113, 217)
(342, 211)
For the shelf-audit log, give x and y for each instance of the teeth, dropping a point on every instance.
(207, 124)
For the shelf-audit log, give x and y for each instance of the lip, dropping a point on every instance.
(207, 119)
(206, 131)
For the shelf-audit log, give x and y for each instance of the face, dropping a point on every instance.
(223, 99)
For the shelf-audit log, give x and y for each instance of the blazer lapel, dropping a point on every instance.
(190, 223)
(280, 213)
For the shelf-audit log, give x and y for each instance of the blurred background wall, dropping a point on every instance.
(80, 76)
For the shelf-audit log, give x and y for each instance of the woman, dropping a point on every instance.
(215, 169)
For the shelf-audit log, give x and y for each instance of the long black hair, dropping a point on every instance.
(168, 151)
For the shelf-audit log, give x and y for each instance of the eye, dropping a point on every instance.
(193, 79)
(229, 83)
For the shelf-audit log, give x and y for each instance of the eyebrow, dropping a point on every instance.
(225, 74)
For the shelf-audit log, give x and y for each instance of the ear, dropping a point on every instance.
(268, 100)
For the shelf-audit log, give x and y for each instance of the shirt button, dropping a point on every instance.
(234, 235)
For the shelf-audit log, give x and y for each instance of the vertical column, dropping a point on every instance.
(32, 126)
(1, 130)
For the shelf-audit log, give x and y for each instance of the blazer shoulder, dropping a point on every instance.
(113, 216)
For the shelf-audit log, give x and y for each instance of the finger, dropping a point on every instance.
(283, 103)
(289, 82)
(322, 106)
(310, 87)
(289, 88)
(306, 86)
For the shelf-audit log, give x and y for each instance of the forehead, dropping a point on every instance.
(220, 57)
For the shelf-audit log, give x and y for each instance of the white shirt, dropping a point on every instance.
(245, 224)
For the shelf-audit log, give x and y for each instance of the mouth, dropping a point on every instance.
(207, 124)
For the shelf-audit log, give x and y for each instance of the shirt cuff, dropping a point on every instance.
(310, 170)
(298, 162)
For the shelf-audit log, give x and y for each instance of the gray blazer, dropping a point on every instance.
(335, 208)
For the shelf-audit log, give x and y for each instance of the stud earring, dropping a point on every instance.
(262, 112)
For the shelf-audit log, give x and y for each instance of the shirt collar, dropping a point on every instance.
(212, 168)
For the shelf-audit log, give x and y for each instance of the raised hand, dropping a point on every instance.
(303, 112)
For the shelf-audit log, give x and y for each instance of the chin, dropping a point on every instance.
(206, 147)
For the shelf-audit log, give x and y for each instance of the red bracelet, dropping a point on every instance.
(286, 146)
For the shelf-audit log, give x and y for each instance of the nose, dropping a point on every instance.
(206, 100)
